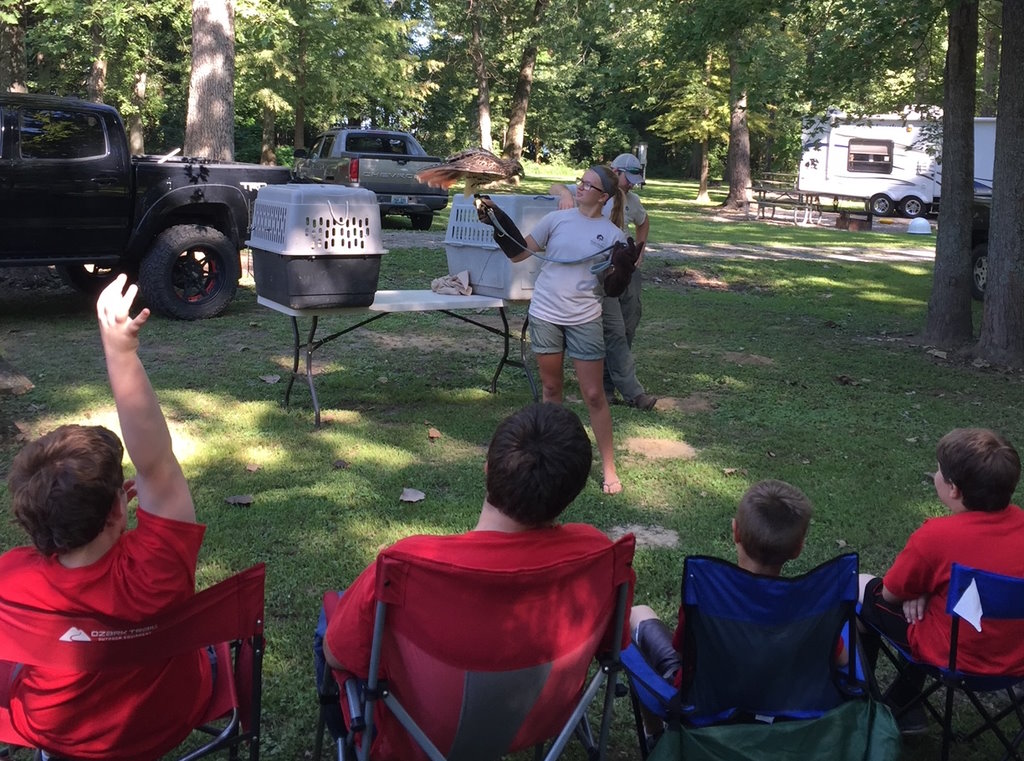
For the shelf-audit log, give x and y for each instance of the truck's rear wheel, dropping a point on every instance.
(979, 271)
(190, 273)
(86, 278)
(422, 221)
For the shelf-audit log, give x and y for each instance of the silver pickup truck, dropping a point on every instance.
(381, 161)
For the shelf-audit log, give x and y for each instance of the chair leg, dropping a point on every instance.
(947, 724)
(641, 732)
(318, 741)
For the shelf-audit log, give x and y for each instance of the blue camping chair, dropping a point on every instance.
(760, 653)
(999, 598)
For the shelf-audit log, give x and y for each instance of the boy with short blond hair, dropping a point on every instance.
(769, 529)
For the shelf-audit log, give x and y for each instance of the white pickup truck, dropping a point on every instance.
(381, 161)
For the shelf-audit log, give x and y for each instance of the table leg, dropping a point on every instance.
(310, 348)
(295, 360)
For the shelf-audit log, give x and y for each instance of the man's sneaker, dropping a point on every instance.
(913, 721)
(643, 402)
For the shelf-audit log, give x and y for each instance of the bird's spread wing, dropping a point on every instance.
(475, 164)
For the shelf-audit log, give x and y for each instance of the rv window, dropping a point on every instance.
(870, 156)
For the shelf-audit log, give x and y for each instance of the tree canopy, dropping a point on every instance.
(713, 88)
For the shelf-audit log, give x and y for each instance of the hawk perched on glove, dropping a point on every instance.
(477, 166)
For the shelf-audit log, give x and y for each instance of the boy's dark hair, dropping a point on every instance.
(983, 465)
(772, 520)
(63, 486)
(538, 461)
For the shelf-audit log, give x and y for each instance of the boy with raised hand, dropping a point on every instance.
(68, 492)
(978, 471)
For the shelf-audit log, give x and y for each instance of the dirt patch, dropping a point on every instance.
(688, 278)
(694, 403)
(660, 449)
(741, 358)
(647, 536)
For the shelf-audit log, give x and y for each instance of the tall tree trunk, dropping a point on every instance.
(483, 85)
(1002, 327)
(268, 142)
(299, 134)
(210, 126)
(702, 190)
(13, 64)
(513, 145)
(990, 63)
(136, 132)
(949, 308)
(96, 83)
(738, 160)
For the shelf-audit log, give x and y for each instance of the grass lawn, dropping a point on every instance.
(806, 371)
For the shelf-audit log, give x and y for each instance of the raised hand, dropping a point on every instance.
(118, 330)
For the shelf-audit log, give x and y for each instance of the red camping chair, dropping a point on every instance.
(473, 664)
(228, 616)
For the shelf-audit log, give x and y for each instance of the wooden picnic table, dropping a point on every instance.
(806, 207)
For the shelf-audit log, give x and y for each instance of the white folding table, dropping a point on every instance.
(391, 302)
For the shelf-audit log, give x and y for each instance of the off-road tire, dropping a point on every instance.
(190, 273)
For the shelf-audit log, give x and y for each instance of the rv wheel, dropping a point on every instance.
(979, 271)
(881, 205)
(912, 207)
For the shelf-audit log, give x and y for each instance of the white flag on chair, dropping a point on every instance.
(968, 607)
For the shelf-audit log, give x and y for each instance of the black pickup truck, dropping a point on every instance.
(73, 196)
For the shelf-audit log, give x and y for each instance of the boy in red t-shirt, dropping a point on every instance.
(978, 471)
(538, 461)
(769, 529)
(68, 492)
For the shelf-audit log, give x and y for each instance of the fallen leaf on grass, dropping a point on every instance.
(734, 471)
(340, 465)
(846, 380)
(252, 467)
(840, 543)
(243, 500)
(433, 433)
(937, 353)
(270, 378)
(412, 495)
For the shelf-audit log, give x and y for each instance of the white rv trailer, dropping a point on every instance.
(891, 160)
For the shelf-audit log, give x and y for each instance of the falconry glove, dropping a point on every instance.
(508, 237)
(622, 264)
